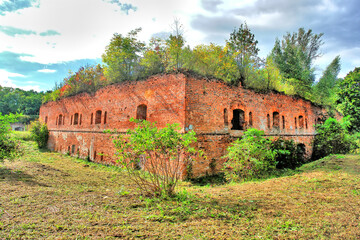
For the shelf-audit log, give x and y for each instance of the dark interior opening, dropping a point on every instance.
(238, 119)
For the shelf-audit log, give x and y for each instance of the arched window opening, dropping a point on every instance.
(56, 121)
(250, 119)
(295, 123)
(80, 119)
(283, 122)
(94, 155)
(98, 117)
(91, 119)
(63, 120)
(301, 122)
(73, 149)
(46, 119)
(60, 119)
(268, 120)
(141, 112)
(238, 119)
(276, 120)
(306, 125)
(76, 119)
(105, 116)
(226, 121)
(71, 121)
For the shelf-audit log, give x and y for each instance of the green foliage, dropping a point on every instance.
(39, 133)
(122, 57)
(348, 98)
(243, 47)
(9, 147)
(162, 153)
(13, 100)
(324, 91)
(249, 157)
(288, 154)
(332, 138)
(294, 57)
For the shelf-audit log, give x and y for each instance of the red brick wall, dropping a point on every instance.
(164, 96)
(205, 104)
(196, 104)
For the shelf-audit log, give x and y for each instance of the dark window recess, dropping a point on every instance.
(226, 121)
(71, 121)
(301, 122)
(63, 121)
(306, 125)
(69, 149)
(94, 155)
(98, 117)
(76, 119)
(80, 119)
(276, 120)
(141, 112)
(105, 116)
(238, 119)
(92, 118)
(60, 119)
(46, 119)
(250, 119)
(102, 157)
(73, 149)
(268, 120)
(295, 123)
(283, 122)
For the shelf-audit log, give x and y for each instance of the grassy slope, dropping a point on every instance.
(48, 195)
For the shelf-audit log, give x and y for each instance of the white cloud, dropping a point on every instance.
(86, 26)
(47, 70)
(4, 78)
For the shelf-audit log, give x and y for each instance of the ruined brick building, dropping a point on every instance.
(217, 112)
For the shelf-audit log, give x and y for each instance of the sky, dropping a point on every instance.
(42, 40)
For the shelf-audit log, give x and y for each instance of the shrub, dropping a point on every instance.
(288, 153)
(163, 153)
(9, 147)
(249, 157)
(332, 138)
(39, 133)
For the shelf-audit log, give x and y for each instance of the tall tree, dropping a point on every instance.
(324, 90)
(243, 46)
(174, 44)
(295, 55)
(122, 57)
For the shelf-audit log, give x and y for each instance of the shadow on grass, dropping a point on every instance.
(10, 175)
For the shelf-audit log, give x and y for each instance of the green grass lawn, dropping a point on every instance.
(49, 195)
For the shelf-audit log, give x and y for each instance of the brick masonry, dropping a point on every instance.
(218, 113)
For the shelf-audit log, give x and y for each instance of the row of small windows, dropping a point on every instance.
(238, 121)
(76, 118)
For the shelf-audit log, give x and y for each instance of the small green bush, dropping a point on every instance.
(39, 133)
(9, 147)
(332, 138)
(249, 157)
(288, 153)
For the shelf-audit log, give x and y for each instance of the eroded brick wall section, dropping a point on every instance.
(218, 113)
(77, 123)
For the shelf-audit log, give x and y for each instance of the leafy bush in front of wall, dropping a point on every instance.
(288, 153)
(332, 138)
(249, 157)
(39, 133)
(155, 159)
